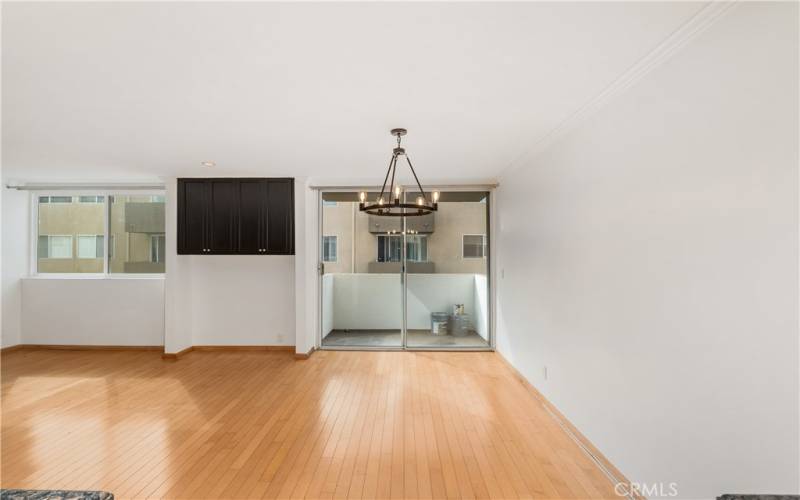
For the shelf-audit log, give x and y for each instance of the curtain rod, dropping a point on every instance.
(85, 187)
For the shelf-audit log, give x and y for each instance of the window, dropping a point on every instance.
(55, 246)
(137, 222)
(67, 235)
(72, 232)
(328, 203)
(90, 199)
(90, 246)
(390, 248)
(55, 199)
(329, 249)
(474, 246)
(417, 248)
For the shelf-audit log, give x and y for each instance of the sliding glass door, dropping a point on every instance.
(415, 282)
(361, 277)
(447, 267)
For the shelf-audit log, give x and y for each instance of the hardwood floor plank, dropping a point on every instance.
(240, 424)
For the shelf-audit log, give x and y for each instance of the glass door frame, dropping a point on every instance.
(490, 274)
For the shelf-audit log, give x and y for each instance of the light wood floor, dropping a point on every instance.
(262, 424)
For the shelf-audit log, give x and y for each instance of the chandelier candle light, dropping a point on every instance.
(394, 208)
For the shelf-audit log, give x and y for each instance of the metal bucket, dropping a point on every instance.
(459, 325)
(439, 323)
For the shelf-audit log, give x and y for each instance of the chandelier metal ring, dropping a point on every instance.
(393, 207)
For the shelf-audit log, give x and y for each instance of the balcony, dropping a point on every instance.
(372, 303)
(144, 217)
(395, 267)
(423, 224)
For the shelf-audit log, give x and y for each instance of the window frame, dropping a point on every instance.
(33, 271)
(484, 246)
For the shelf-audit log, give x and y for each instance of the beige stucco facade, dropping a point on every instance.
(357, 247)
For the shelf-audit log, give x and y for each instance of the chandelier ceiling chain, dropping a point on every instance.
(396, 208)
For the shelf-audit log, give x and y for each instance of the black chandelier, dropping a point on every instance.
(393, 207)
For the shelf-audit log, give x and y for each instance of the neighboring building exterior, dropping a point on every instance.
(71, 234)
(357, 250)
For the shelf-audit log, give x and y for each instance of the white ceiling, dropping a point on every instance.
(135, 91)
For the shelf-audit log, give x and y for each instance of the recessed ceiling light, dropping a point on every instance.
(208, 163)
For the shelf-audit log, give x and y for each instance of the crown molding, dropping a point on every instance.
(686, 32)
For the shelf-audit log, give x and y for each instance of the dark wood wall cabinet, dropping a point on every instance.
(236, 216)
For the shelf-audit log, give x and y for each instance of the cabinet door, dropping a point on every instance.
(280, 216)
(222, 227)
(192, 210)
(252, 207)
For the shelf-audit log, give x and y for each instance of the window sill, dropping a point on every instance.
(88, 276)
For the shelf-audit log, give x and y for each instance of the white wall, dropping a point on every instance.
(177, 281)
(15, 227)
(203, 300)
(72, 311)
(242, 299)
(227, 299)
(374, 301)
(327, 304)
(79, 311)
(360, 301)
(650, 262)
(429, 293)
(481, 305)
(306, 260)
